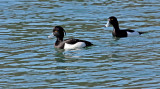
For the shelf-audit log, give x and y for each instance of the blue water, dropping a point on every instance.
(29, 59)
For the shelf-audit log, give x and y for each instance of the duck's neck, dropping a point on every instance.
(116, 27)
(58, 41)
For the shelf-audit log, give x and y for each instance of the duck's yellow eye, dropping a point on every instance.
(55, 31)
(111, 19)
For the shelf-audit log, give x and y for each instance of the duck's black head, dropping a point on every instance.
(112, 20)
(59, 32)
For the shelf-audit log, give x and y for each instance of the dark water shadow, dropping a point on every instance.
(59, 55)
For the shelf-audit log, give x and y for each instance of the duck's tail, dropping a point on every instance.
(142, 33)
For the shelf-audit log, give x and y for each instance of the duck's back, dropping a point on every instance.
(76, 43)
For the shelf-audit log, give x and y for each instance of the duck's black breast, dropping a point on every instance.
(60, 45)
(119, 33)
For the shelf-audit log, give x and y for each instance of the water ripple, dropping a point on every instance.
(29, 59)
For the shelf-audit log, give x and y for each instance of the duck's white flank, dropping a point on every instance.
(130, 34)
(74, 46)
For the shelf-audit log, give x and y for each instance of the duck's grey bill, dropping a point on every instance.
(51, 36)
(108, 23)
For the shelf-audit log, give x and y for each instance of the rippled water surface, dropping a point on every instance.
(29, 60)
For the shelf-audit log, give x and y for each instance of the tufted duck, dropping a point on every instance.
(58, 32)
(121, 33)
